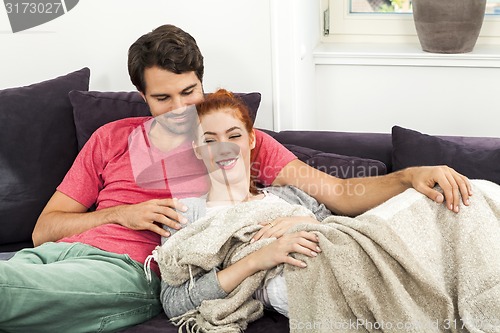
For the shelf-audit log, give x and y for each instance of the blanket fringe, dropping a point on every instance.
(147, 265)
(189, 324)
(191, 278)
(164, 258)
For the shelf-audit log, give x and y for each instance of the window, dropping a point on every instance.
(380, 6)
(403, 6)
(388, 21)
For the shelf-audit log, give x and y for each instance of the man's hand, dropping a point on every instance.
(453, 184)
(152, 214)
(64, 216)
(280, 226)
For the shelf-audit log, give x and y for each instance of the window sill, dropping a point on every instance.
(483, 56)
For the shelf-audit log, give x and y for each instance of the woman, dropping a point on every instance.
(224, 142)
(407, 265)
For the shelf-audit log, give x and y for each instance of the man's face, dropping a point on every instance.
(168, 94)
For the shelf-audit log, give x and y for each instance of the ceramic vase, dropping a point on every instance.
(448, 26)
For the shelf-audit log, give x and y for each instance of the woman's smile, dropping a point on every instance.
(227, 164)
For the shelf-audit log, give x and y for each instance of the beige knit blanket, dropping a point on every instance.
(219, 241)
(408, 265)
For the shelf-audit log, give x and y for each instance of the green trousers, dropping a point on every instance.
(63, 287)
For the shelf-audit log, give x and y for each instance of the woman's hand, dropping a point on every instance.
(280, 226)
(269, 256)
(278, 251)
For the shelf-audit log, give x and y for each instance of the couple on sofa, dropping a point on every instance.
(96, 257)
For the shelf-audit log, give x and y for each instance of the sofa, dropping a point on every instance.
(44, 125)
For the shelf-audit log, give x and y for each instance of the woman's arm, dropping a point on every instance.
(177, 300)
(270, 256)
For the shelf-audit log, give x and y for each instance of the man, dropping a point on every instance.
(86, 269)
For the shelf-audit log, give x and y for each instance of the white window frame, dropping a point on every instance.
(375, 27)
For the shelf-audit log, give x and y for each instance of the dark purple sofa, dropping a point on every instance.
(43, 126)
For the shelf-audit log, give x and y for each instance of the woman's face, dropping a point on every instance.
(224, 145)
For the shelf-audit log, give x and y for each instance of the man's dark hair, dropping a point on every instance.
(167, 47)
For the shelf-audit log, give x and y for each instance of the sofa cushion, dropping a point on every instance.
(37, 133)
(374, 146)
(92, 109)
(337, 165)
(473, 157)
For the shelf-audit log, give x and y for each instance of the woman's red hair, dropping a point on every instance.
(224, 100)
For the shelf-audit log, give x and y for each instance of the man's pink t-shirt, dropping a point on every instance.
(103, 174)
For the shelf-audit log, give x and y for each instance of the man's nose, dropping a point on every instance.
(177, 103)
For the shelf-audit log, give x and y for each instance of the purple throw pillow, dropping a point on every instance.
(38, 147)
(92, 109)
(468, 157)
(337, 165)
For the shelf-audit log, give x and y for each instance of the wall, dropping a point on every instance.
(269, 46)
(295, 34)
(372, 87)
(234, 36)
(434, 100)
(370, 84)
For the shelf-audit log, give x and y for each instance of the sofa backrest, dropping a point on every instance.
(376, 146)
(475, 157)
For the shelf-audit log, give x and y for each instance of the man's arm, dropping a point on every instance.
(354, 196)
(64, 216)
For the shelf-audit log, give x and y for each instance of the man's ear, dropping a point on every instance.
(143, 96)
(252, 139)
(196, 150)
